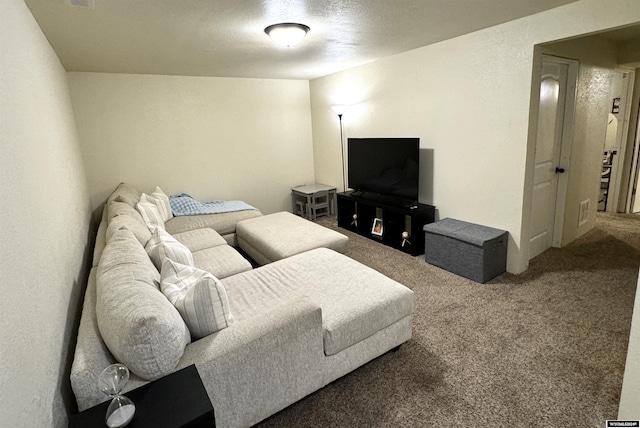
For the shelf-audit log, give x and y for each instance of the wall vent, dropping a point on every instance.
(81, 3)
(583, 212)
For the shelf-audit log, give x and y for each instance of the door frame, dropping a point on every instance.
(632, 191)
(566, 140)
(617, 195)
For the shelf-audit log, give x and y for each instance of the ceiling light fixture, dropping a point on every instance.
(287, 34)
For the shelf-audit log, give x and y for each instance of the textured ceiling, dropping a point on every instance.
(226, 37)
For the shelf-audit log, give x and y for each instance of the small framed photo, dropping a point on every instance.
(616, 106)
(377, 227)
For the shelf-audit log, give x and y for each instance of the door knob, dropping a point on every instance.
(559, 170)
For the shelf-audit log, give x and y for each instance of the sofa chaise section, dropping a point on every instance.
(356, 300)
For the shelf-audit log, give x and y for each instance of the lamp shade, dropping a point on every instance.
(339, 109)
(287, 34)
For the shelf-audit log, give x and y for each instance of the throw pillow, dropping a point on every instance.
(141, 328)
(150, 214)
(162, 245)
(198, 296)
(162, 202)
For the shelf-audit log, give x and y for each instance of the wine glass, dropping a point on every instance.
(112, 381)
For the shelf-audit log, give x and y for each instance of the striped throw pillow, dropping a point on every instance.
(150, 214)
(162, 245)
(198, 296)
(161, 200)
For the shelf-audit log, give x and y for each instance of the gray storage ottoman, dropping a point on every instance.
(466, 249)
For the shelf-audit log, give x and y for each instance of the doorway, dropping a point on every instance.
(612, 197)
(558, 77)
(633, 201)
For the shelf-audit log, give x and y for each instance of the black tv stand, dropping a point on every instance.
(410, 205)
(396, 219)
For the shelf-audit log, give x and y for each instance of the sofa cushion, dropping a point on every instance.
(162, 245)
(123, 215)
(356, 300)
(200, 239)
(125, 193)
(141, 328)
(221, 261)
(223, 223)
(138, 228)
(200, 298)
(115, 209)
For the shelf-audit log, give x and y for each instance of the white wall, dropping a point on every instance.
(468, 99)
(44, 226)
(214, 138)
(630, 394)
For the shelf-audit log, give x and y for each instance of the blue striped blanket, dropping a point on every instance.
(184, 204)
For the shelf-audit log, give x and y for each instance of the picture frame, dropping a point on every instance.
(616, 106)
(377, 227)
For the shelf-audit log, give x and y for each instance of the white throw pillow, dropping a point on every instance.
(162, 245)
(150, 214)
(198, 296)
(163, 204)
(161, 200)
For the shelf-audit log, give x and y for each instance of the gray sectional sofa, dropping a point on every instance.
(298, 323)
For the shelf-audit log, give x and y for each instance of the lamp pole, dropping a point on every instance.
(339, 110)
(344, 184)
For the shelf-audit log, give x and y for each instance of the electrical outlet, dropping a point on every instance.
(583, 212)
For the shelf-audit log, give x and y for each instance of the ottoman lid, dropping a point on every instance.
(474, 234)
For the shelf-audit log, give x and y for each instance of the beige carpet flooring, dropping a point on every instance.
(546, 348)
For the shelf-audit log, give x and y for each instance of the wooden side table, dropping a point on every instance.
(176, 400)
(305, 194)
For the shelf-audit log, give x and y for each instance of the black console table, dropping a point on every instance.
(176, 400)
(396, 219)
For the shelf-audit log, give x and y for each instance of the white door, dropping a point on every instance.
(551, 110)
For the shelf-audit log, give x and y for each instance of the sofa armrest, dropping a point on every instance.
(91, 354)
(260, 365)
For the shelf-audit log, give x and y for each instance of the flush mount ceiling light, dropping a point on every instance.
(287, 34)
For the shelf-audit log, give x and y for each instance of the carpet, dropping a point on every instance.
(546, 348)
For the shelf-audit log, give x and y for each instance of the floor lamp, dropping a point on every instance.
(339, 110)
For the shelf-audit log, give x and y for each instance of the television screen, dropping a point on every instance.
(385, 166)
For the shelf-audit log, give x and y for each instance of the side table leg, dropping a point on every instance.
(308, 210)
(293, 202)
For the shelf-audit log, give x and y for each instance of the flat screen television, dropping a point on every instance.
(385, 167)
